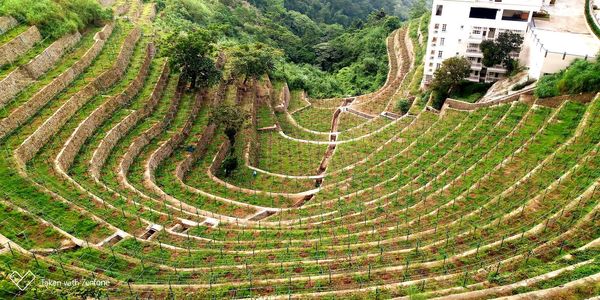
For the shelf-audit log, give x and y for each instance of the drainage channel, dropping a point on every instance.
(330, 150)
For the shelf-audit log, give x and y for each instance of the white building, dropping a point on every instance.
(552, 44)
(458, 27)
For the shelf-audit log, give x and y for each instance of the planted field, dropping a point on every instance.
(119, 173)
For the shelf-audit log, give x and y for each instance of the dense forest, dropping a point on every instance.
(330, 48)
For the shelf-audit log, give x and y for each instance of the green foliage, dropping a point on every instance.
(419, 8)
(339, 11)
(470, 91)
(253, 60)
(56, 18)
(190, 53)
(403, 105)
(230, 118)
(581, 77)
(230, 164)
(498, 51)
(326, 60)
(451, 74)
(590, 20)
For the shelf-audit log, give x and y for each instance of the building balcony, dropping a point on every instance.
(497, 69)
(476, 66)
(473, 78)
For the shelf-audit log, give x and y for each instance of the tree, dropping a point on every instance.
(231, 119)
(450, 74)
(403, 106)
(191, 53)
(498, 51)
(418, 9)
(254, 60)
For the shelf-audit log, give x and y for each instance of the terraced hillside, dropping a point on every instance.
(111, 171)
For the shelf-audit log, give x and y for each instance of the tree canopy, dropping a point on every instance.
(253, 60)
(498, 51)
(451, 73)
(191, 53)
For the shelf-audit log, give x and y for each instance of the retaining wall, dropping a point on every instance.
(37, 101)
(7, 23)
(121, 129)
(51, 126)
(461, 105)
(24, 75)
(16, 47)
(284, 99)
(169, 146)
(144, 139)
(220, 157)
(88, 126)
(201, 146)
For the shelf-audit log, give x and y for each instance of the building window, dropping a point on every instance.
(515, 15)
(444, 28)
(438, 10)
(436, 26)
(440, 53)
(477, 30)
(442, 41)
(483, 13)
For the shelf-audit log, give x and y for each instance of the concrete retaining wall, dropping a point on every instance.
(27, 150)
(7, 23)
(47, 93)
(103, 112)
(24, 75)
(461, 105)
(121, 129)
(16, 47)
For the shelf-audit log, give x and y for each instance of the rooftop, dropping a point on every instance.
(566, 29)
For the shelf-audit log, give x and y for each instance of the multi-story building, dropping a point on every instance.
(458, 27)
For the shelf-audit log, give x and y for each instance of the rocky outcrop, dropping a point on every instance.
(16, 47)
(26, 74)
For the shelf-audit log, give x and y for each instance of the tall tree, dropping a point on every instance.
(231, 119)
(192, 54)
(498, 51)
(254, 60)
(450, 74)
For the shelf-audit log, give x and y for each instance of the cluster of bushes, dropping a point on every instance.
(55, 18)
(581, 77)
(326, 60)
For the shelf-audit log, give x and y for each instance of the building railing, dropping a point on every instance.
(538, 42)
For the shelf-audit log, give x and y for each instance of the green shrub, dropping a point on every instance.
(547, 87)
(55, 18)
(522, 85)
(581, 77)
(589, 18)
(403, 105)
